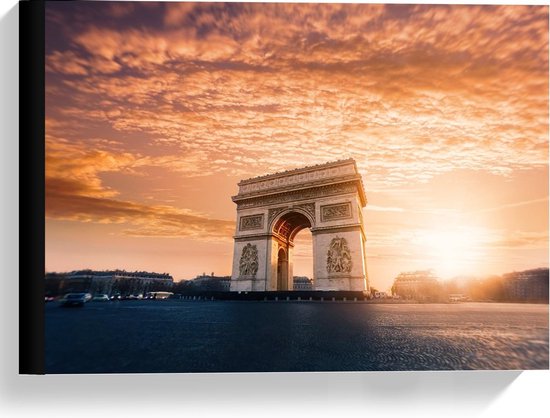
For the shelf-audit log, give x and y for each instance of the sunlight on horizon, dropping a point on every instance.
(452, 250)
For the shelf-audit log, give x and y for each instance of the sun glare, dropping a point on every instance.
(452, 251)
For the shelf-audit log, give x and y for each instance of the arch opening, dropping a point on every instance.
(282, 270)
(285, 230)
(302, 271)
(288, 225)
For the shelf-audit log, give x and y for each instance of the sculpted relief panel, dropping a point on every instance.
(338, 256)
(335, 212)
(252, 222)
(248, 264)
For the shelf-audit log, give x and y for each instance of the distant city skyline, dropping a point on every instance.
(155, 111)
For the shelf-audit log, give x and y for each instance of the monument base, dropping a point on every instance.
(280, 296)
(341, 284)
(247, 285)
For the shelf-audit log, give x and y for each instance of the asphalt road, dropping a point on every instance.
(228, 336)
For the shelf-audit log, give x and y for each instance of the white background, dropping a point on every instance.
(426, 394)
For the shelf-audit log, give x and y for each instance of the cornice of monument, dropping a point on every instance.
(298, 171)
(264, 189)
(303, 192)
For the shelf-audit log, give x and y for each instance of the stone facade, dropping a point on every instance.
(272, 209)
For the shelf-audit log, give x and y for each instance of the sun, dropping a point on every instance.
(452, 250)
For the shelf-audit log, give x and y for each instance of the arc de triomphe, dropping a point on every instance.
(272, 209)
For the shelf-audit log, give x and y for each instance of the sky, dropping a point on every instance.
(155, 111)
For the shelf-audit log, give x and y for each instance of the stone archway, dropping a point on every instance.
(282, 270)
(272, 209)
(284, 228)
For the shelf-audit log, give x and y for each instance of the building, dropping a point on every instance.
(110, 282)
(272, 209)
(528, 285)
(418, 285)
(211, 282)
(302, 283)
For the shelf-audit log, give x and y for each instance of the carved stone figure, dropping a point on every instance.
(248, 265)
(338, 256)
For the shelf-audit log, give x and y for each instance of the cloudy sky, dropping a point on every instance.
(155, 111)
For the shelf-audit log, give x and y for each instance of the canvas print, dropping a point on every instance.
(247, 187)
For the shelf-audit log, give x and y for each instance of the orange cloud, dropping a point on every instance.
(216, 90)
(67, 200)
(177, 12)
(409, 91)
(75, 191)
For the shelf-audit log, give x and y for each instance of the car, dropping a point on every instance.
(101, 298)
(75, 299)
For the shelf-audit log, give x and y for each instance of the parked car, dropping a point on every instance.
(75, 299)
(101, 298)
